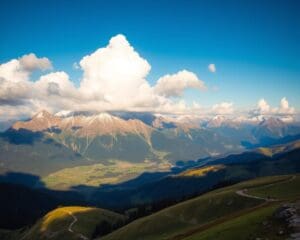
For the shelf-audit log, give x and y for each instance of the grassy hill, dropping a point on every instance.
(242, 227)
(221, 214)
(67, 223)
(242, 211)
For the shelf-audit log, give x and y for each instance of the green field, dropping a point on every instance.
(97, 174)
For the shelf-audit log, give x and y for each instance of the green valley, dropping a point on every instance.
(95, 175)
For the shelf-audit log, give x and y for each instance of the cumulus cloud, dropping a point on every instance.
(223, 108)
(57, 80)
(114, 78)
(263, 109)
(13, 71)
(115, 73)
(284, 107)
(19, 70)
(18, 94)
(10, 90)
(31, 62)
(212, 68)
(175, 84)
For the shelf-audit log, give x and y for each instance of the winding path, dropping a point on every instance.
(75, 219)
(243, 192)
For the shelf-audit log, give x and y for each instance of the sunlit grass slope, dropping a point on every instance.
(200, 172)
(69, 223)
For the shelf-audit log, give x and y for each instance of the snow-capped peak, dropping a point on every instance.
(104, 115)
(63, 113)
(42, 114)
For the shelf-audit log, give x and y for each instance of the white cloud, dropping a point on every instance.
(114, 78)
(263, 109)
(31, 62)
(19, 95)
(212, 68)
(17, 70)
(13, 71)
(175, 84)
(15, 88)
(59, 82)
(22, 111)
(223, 108)
(115, 74)
(14, 92)
(284, 107)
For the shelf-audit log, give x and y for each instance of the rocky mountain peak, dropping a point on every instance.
(42, 114)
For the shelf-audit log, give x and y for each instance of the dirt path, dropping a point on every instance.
(53, 234)
(216, 222)
(243, 192)
(75, 219)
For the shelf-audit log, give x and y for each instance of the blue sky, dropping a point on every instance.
(254, 44)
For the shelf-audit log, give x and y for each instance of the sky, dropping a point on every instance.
(210, 56)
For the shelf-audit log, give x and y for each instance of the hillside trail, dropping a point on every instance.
(75, 219)
(243, 192)
(234, 215)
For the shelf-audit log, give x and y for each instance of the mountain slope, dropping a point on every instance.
(197, 180)
(48, 143)
(69, 223)
(98, 137)
(221, 214)
(32, 152)
(194, 216)
(276, 220)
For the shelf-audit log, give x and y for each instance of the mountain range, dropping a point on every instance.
(96, 159)
(47, 142)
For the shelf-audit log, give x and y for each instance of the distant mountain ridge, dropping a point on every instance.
(49, 142)
(94, 125)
